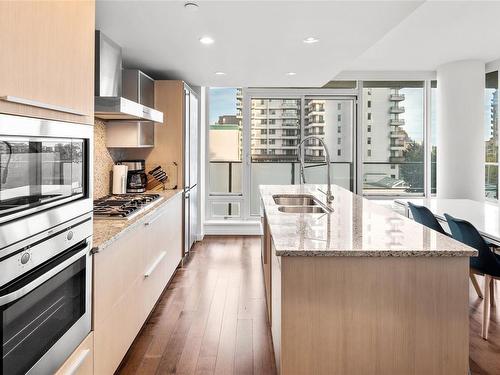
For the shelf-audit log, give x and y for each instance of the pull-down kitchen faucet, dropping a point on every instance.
(329, 195)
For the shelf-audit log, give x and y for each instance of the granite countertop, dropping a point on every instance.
(108, 231)
(356, 227)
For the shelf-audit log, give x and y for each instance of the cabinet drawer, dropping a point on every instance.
(81, 362)
(116, 269)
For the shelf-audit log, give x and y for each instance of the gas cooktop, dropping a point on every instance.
(123, 206)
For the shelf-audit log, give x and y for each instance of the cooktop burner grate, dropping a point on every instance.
(123, 206)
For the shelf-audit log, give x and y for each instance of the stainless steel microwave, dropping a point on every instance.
(45, 175)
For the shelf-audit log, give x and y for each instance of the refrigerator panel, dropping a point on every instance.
(193, 215)
(186, 222)
(187, 140)
(193, 140)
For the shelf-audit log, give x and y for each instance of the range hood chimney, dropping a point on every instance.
(110, 104)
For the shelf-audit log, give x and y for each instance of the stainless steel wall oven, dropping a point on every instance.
(45, 242)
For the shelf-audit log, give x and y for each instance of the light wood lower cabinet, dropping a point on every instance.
(129, 277)
(81, 362)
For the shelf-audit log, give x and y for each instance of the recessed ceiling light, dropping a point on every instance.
(191, 6)
(311, 40)
(291, 73)
(220, 73)
(206, 40)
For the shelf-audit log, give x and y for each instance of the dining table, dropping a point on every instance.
(485, 216)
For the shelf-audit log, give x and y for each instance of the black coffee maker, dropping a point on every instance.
(136, 175)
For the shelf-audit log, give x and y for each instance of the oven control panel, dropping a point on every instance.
(40, 251)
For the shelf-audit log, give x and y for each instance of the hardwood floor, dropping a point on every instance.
(484, 355)
(211, 319)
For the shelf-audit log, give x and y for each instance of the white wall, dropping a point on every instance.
(460, 135)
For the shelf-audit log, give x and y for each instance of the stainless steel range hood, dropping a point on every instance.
(110, 103)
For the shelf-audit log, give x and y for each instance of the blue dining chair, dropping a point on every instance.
(424, 216)
(487, 263)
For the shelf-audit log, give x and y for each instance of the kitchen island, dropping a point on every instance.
(355, 288)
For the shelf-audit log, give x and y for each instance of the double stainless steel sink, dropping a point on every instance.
(298, 203)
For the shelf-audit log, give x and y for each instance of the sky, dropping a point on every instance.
(222, 102)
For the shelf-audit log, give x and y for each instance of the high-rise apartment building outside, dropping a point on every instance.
(384, 137)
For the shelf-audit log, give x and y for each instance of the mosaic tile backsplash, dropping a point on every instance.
(103, 161)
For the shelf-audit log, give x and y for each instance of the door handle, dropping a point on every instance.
(36, 103)
(79, 361)
(152, 220)
(154, 265)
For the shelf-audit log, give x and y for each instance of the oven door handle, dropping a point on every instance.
(21, 292)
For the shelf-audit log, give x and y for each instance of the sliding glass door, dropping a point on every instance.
(278, 124)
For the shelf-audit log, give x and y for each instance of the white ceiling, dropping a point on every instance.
(436, 33)
(258, 42)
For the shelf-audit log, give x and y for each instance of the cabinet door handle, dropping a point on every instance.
(78, 362)
(147, 223)
(154, 265)
(36, 103)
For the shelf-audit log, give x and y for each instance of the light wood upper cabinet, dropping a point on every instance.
(48, 57)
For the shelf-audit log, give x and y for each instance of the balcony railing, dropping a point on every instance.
(397, 134)
(397, 122)
(396, 97)
(396, 109)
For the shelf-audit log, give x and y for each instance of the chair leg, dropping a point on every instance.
(475, 284)
(492, 292)
(486, 307)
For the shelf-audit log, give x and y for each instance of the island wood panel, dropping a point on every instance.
(266, 264)
(48, 56)
(380, 315)
(276, 309)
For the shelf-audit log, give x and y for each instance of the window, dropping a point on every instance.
(433, 126)
(263, 141)
(270, 164)
(491, 135)
(279, 163)
(224, 136)
(369, 116)
(396, 155)
(263, 131)
(368, 141)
